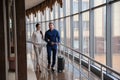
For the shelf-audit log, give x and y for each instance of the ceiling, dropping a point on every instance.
(31, 3)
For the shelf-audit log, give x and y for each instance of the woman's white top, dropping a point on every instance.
(37, 38)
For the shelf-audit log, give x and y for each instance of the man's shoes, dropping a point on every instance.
(48, 66)
(53, 69)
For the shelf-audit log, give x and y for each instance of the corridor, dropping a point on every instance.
(87, 31)
(71, 71)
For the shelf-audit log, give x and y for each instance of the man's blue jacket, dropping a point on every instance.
(52, 36)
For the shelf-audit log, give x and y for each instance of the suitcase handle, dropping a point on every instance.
(59, 50)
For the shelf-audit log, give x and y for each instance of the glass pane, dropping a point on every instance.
(99, 33)
(39, 16)
(76, 32)
(43, 17)
(56, 10)
(67, 7)
(68, 31)
(85, 26)
(27, 32)
(51, 13)
(31, 18)
(99, 2)
(47, 14)
(116, 36)
(35, 19)
(32, 27)
(75, 6)
(28, 29)
(85, 4)
(44, 27)
(61, 11)
(56, 24)
(62, 30)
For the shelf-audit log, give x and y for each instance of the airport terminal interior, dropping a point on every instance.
(89, 39)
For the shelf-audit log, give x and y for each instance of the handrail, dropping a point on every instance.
(33, 42)
(107, 67)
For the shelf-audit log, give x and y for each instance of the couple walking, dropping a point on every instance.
(52, 38)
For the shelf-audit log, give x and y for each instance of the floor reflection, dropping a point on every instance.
(70, 73)
(49, 75)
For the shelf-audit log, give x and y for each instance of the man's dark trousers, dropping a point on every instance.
(53, 51)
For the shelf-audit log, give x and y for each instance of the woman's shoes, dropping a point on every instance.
(38, 68)
(48, 66)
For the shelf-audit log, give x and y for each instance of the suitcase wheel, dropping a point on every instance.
(60, 71)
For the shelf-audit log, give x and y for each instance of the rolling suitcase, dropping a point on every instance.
(60, 64)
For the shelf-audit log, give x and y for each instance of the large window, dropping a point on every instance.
(27, 28)
(38, 17)
(116, 36)
(68, 32)
(76, 32)
(47, 14)
(85, 27)
(91, 20)
(61, 11)
(56, 10)
(75, 6)
(85, 4)
(28, 31)
(98, 2)
(43, 17)
(56, 24)
(51, 15)
(99, 34)
(67, 7)
(62, 30)
(46, 25)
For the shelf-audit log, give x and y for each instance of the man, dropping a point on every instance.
(37, 39)
(52, 38)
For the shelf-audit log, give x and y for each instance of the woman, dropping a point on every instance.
(37, 39)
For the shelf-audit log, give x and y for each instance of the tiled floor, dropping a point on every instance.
(70, 72)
